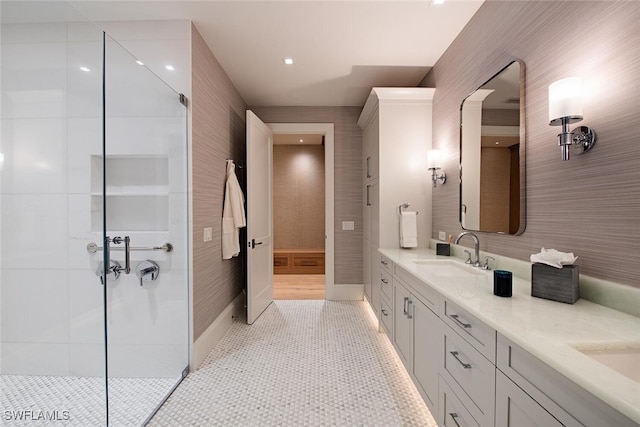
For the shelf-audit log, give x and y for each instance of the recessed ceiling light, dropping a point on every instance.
(437, 2)
(169, 67)
(301, 140)
(85, 69)
(139, 62)
(288, 61)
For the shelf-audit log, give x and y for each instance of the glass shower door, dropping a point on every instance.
(143, 208)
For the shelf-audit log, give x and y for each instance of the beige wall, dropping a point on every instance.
(347, 175)
(589, 205)
(298, 196)
(218, 133)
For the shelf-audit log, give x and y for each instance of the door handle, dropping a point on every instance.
(254, 243)
(127, 251)
(368, 197)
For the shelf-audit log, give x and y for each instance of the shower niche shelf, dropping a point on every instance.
(137, 192)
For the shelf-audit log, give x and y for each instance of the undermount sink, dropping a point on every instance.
(623, 360)
(445, 268)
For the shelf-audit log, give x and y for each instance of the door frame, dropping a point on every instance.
(326, 129)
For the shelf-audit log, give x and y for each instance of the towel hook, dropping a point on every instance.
(404, 206)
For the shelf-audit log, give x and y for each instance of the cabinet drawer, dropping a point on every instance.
(452, 412)
(571, 404)
(472, 375)
(386, 315)
(481, 336)
(386, 287)
(515, 408)
(427, 295)
(386, 264)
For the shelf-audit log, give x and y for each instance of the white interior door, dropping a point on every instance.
(259, 217)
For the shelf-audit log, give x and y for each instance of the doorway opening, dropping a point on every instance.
(302, 211)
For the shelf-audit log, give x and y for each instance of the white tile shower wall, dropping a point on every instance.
(34, 80)
(34, 231)
(35, 155)
(51, 127)
(37, 306)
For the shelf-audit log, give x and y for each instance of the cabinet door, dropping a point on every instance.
(428, 347)
(515, 408)
(367, 212)
(370, 138)
(403, 325)
(374, 205)
(375, 281)
(367, 270)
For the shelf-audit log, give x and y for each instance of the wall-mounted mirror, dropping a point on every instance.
(492, 161)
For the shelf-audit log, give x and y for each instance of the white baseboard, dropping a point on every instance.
(347, 293)
(211, 336)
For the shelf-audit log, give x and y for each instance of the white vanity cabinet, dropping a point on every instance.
(396, 133)
(467, 370)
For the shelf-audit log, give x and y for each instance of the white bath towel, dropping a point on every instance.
(408, 229)
(233, 215)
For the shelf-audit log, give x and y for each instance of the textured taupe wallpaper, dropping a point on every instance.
(218, 133)
(589, 205)
(298, 197)
(347, 174)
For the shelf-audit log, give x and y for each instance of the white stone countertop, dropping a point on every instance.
(549, 330)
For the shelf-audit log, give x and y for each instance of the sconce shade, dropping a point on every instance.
(433, 159)
(565, 101)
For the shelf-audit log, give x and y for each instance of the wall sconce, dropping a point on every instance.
(433, 160)
(565, 107)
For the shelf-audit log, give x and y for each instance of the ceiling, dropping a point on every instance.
(341, 49)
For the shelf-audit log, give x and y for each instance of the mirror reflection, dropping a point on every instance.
(492, 144)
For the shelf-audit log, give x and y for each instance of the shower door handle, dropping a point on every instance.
(127, 251)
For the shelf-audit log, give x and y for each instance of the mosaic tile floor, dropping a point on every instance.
(302, 363)
(73, 401)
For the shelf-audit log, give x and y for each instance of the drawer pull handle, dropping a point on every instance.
(406, 309)
(460, 322)
(454, 417)
(384, 312)
(464, 365)
(385, 263)
(383, 280)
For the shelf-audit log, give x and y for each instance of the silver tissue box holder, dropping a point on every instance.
(557, 284)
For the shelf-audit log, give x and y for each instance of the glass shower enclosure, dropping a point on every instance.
(93, 225)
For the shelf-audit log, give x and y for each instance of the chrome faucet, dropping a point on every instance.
(476, 243)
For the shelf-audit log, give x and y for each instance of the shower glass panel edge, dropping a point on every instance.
(145, 199)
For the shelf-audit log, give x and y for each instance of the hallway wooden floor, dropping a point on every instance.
(298, 286)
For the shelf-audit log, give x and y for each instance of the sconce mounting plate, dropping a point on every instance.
(585, 137)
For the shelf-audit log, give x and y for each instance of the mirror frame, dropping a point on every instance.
(521, 153)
